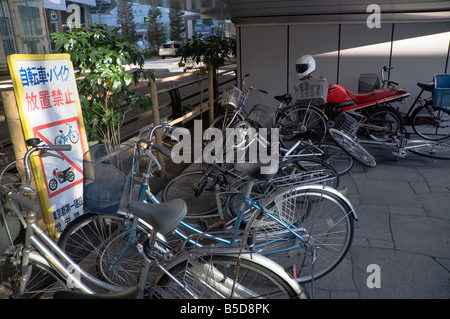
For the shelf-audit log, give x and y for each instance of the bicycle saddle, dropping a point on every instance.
(163, 217)
(428, 86)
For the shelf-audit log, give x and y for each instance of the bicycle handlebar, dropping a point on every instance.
(63, 148)
(19, 198)
(165, 151)
(43, 148)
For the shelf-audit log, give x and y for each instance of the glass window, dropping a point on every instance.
(6, 29)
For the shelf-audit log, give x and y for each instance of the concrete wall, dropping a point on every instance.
(342, 53)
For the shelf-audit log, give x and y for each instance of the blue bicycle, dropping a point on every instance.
(71, 136)
(307, 229)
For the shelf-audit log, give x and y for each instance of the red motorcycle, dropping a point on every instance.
(61, 176)
(369, 112)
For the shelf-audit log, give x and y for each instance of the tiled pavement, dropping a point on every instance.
(403, 210)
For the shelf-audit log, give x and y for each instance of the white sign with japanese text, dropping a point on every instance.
(50, 109)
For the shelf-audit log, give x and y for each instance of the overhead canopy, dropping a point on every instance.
(310, 11)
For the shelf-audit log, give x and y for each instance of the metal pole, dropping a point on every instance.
(15, 129)
(156, 121)
(211, 92)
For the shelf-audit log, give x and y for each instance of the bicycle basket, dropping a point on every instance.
(232, 98)
(312, 91)
(106, 177)
(347, 124)
(441, 91)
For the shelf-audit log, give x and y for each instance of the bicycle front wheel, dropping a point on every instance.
(198, 191)
(431, 123)
(431, 149)
(225, 276)
(74, 137)
(308, 230)
(352, 148)
(330, 154)
(294, 171)
(228, 120)
(92, 240)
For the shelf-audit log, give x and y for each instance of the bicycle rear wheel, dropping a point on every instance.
(431, 149)
(431, 123)
(301, 121)
(352, 148)
(225, 276)
(320, 215)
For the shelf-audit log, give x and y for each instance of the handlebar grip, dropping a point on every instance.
(26, 202)
(263, 91)
(59, 147)
(164, 150)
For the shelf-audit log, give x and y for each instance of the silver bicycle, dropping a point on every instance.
(33, 266)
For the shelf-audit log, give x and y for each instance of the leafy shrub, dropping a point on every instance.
(103, 59)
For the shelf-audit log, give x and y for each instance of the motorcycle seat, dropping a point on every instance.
(428, 86)
(376, 94)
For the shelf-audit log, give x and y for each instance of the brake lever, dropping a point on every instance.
(45, 153)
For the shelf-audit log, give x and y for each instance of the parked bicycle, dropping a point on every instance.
(35, 267)
(294, 121)
(302, 128)
(430, 117)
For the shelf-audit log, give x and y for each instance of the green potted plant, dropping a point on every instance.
(211, 53)
(103, 58)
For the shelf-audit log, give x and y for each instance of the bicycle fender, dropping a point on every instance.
(332, 191)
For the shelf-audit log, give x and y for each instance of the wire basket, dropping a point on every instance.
(346, 124)
(106, 177)
(312, 91)
(368, 82)
(232, 97)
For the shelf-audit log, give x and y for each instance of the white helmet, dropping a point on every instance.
(305, 65)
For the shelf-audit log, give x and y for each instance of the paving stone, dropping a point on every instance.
(378, 192)
(402, 274)
(421, 235)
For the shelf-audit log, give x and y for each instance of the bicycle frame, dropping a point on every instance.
(66, 137)
(401, 146)
(51, 255)
(146, 195)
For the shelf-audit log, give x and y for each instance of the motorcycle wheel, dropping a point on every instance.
(383, 122)
(70, 176)
(53, 184)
